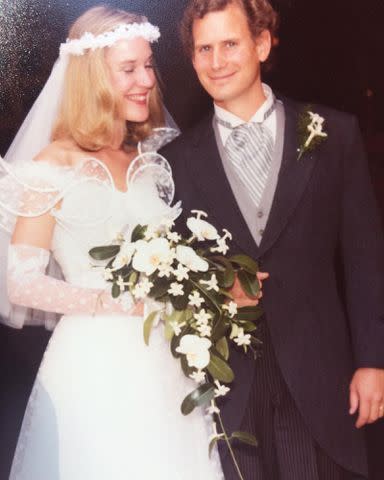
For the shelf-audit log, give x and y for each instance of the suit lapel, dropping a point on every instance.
(207, 172)
(293, 178)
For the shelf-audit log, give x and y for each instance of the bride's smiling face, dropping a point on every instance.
(130, 64)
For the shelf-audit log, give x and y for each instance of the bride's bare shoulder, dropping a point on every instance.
(63, 153)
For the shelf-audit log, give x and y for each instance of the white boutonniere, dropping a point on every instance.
(311, 132)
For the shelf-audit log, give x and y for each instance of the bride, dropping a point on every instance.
(104, 406)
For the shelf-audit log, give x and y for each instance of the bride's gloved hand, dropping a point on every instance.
(29, 286)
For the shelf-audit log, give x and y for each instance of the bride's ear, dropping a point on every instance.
(264, 45)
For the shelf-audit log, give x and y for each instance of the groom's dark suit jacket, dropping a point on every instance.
(323, 209)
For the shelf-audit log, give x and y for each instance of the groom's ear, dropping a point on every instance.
(264, 45)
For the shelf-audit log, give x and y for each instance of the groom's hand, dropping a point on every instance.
(367, 395)
(241, 298)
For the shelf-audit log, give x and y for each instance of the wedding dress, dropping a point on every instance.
(104, 405)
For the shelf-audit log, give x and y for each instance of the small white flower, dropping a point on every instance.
(204, 330)
(202, 317)
(176, 289)
(108, 274)
(142, 288)
(213, 408)
(149, 255)
(181, 272)
(176, 327)
(196, 350)
(221, 390)
(173, 237)
(195, 299)
(188, 257)
(242, 339)
(201, 229)
(198, 376)
(164, 270)
(120, 282)
(211, 284)
(231, 307)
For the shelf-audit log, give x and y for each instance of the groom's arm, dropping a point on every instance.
(362, 248)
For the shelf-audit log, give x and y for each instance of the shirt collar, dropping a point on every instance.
(258, 117)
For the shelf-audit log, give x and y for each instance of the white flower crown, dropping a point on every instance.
(126, 31)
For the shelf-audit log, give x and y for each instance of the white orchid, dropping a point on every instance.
(196, 349)
(242, 339)
(149, 255)
(176, 289)
(231, 308)
(315, 128)
(198, 376)
(222, 246)
(211, 284)
(201, 229)
(124, 256)
(181, 273)
(220, 390)
(195, 299)
(202, 317)
(188, 257)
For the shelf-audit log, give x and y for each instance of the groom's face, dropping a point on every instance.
(226, 57)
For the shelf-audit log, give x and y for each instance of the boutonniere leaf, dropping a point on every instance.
(310, 130)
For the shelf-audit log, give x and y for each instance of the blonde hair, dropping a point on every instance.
(90, 107)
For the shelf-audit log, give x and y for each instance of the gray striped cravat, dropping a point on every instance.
(250, 149)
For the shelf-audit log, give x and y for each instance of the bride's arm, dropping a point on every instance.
(29, 286)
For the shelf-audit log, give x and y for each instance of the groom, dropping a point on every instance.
(321, 375)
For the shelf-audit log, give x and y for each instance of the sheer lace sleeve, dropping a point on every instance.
(29, 286)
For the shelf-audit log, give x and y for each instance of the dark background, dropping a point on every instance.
(330, 51)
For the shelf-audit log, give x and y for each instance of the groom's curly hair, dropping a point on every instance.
(260, 15)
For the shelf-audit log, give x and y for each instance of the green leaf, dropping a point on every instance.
(160, 287)
(249, 283)
(104, 253)
(226, 293)
(249, 314)
(138, 233)
(148, 324)
(115, 290)
(201, 396)
(246, 262)
(226, 277)
(220, 328)
(213, 442)
(220, 370)
(178, 316)
(248, 327)
(246, 437)
(222, 347)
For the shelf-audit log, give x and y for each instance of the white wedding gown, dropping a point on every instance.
(104, 405)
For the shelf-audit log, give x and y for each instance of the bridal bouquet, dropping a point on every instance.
(189, 279)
